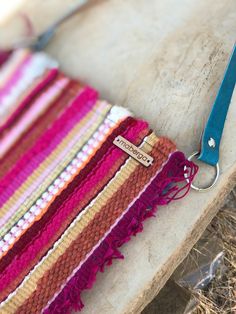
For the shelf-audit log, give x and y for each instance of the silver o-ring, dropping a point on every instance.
(203, 189)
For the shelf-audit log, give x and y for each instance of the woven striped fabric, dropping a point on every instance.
(69, 197)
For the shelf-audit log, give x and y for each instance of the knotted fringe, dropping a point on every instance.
(171, 183)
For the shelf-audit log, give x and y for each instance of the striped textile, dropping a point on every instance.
(69, 198)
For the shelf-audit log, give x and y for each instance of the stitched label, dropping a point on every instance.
(133, 151)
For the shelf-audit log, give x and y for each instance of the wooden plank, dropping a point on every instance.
(165, 61)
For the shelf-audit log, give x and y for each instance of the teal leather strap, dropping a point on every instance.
(211, 137)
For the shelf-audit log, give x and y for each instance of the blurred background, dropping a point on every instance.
(206, 281)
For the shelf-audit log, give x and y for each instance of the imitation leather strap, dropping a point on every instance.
(210, 142)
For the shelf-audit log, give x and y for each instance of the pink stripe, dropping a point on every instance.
(48, 170)
(50, 76)
(120, 218)
(39, 106)
(16, 76)
(127, 225)
(46, 143)
(98, 173)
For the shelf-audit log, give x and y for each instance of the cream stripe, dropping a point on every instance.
(11, 65)
(81, 159)
(30, 116)
(116, 114)
(29, 284)
(43, 166)
(34, 69)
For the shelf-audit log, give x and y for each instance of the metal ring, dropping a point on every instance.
(217, 169)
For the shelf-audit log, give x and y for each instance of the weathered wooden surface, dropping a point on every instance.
(164, 60)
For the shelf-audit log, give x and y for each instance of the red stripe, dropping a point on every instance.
(39, 225)
(38, 128)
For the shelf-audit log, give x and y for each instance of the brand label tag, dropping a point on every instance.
(133, 151)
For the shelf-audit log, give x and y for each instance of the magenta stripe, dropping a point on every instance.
(4, 55)
(46, 144)
(25, 121)
(127, 225)
(16, 76)
(41, 85)
(48, 170)
(64, 211)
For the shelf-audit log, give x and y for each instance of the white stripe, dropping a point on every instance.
(36, 67)
(68, 230)
(84, 153)
(108, 232)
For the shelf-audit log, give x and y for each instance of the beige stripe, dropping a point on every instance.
(18, 297)
(43, 166)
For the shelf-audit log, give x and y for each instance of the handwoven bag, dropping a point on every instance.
(78, 177)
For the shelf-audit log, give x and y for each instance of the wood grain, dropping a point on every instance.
(165, 61)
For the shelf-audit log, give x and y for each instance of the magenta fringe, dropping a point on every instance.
(169, 184)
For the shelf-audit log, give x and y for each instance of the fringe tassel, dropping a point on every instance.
(171, 183)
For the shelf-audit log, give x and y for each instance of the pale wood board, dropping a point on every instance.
(164, 60)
